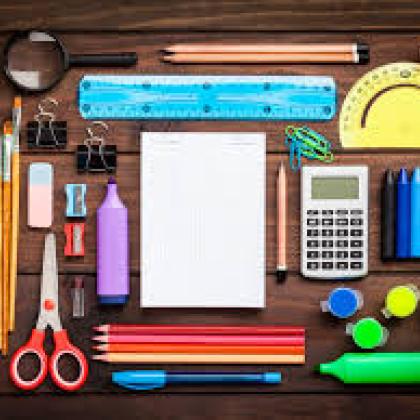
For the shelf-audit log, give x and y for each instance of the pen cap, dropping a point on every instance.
(401, 301)
(140, 379)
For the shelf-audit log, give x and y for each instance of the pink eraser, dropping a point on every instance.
(40, 195)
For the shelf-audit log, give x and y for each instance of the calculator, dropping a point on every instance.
(334, 221)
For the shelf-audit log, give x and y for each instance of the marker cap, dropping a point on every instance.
(368, 333)
(343, 302)
(401, 301)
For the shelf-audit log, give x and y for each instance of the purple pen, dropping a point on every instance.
(112, 249)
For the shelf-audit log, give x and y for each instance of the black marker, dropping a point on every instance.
(388, 216)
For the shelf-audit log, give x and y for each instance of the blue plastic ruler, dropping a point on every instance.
(207, 97)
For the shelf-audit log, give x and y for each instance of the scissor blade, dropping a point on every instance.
(48, 311)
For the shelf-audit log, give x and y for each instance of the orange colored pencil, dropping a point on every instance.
(191, 349)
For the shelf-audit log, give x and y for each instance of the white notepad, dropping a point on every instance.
(203, 220)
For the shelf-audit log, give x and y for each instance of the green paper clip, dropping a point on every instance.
(302, 141)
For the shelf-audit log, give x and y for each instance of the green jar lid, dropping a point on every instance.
(368, 333)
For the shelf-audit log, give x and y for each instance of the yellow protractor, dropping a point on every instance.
(383, 108)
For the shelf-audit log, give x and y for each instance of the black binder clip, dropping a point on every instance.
(45, 131)
(94, 155)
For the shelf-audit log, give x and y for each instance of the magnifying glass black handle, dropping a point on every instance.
(100, 60)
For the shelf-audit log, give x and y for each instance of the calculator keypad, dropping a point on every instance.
(339, 243)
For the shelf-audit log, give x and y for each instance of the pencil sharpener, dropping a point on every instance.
(75, 239)
(76, 200)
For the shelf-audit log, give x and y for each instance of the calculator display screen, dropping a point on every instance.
(335, 188)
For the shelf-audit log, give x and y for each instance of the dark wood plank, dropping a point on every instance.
(216, 15)
(296, 302)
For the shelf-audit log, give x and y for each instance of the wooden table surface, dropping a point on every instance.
(393, 32)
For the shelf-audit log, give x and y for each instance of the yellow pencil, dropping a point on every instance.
(17, 116)
(7, 154)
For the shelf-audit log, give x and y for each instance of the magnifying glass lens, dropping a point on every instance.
(35, 61)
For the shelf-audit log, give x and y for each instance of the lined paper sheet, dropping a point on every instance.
(203, 220)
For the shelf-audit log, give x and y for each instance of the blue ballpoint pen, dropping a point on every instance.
(143, 380)
(403, 229)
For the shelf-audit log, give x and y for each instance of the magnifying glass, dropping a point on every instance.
(35, 61)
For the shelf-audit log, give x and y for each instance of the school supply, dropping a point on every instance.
(343, 302)
(267, 53)
(401, 301)
(213, 186)
(75, 239)
(201, 359)
(1, 242)
(367, 333)
(49, 316)
(76, 200)
(35, 61)
(113, 278)
(415, 214)
(7, 230)
(45, 131)
(374, 368)
(403, 228)
(94, 155)
(220, 340)
(302, 141)
(188, 97)
(16, 120)
(281, 223)
(389, 199)
(158, 329)
(334, 222)
(382, 108)
(197, 348)
(145, 380)
(40, 195)
(78, 297)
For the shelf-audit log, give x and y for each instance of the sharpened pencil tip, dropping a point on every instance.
(100, 338)
(99, 357)
(100, 328)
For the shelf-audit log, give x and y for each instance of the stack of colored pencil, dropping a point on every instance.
(9, 222)
(200, 344)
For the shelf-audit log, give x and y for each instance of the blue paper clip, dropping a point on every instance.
(76, 200)
(303, 141)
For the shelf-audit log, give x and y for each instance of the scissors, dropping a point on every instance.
(48, 316)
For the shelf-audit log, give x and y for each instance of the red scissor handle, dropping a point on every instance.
(64, 347)
(33, 346)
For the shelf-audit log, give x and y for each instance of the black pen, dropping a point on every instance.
(388, 215)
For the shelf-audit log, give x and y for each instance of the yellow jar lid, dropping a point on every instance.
(401, 301)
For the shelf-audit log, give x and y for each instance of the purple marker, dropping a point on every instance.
(112, 249)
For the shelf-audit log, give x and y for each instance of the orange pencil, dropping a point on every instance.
(188, 348)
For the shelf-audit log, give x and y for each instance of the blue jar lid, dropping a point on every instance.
(343, 302)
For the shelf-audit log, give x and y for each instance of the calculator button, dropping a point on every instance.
(312, 222)
(356, 243)
(357, 211)
(327, 244)
(341, 222)
(342, 232)
(327, 212)
(342, 265)
(327, 265)
(341, 243)
(313, 232)
(356, 264)
(327, 222)
(342, 254)
(312, 254)
(312, 212)
(341, 212)
(312, 244)
(327, 254)
(356, 232)
(327, 232)
(356, 254)
(312, 265)
(356, 222)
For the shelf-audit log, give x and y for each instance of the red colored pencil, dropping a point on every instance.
(259, 340)
(131, 329)
(197, 348)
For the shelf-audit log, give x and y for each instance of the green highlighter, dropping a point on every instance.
(374, 368)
